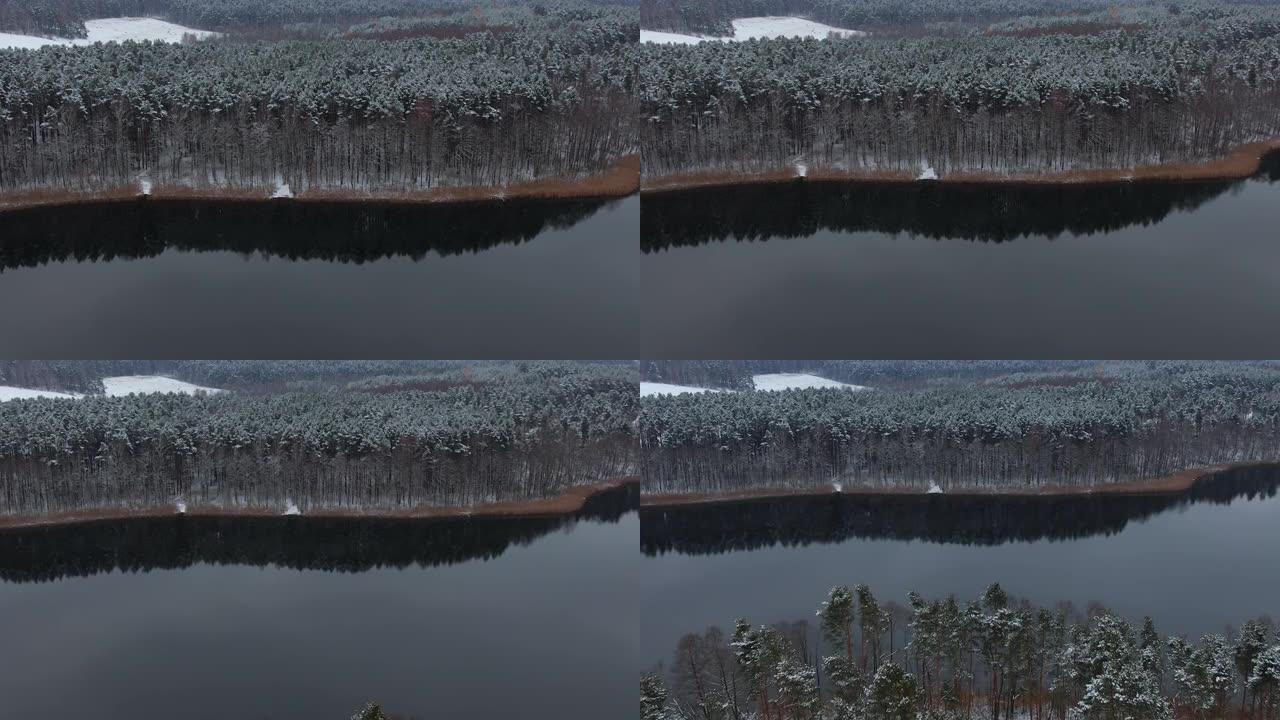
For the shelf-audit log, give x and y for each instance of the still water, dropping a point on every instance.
(310, 618)
(219, 279)
(1194, 562)
(946, 271)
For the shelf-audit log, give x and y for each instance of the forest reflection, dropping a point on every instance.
(143, 544)
(952, 519)
(340, 232)
(981, 213)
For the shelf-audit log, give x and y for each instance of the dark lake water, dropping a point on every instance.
(933, 271)
(309, 618)
(185, 279)
(1194, 563)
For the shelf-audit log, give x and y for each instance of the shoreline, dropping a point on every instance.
(1240, 163)
(570, 502)
(1173, 484)
(621, 179)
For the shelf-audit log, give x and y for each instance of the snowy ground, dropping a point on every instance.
(143, 384)
(17, 393)
(755, 28)
(111, 30)
(794, 381)
(652, 388)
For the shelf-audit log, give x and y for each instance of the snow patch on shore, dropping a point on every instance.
(282, 191)
(755, 28)
(182, 508)
(144, 187)
(927, 172)
(8, 392)
(106, 30)
(798, 381)
(145, 384)
(648, 389)
(292, 509)
(802, 170)
(934, 488)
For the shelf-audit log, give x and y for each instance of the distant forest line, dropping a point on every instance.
(994, 658)
(457, 437)
(1091, 425)
(551, 99)
(1182, 81)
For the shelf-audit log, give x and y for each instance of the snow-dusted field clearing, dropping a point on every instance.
(144, 384)
(107, 30)
(797, 381)
(115, 387)
(754, 28)
(17, 393)
(652, 388)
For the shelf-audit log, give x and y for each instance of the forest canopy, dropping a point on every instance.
(994, 657)
(1101, 424)
(469, 434)
(1180, 81)
(551, 97)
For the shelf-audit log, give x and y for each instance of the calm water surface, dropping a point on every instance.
(166, 279)
(933, 271)
(1194, 563)
(307, 619)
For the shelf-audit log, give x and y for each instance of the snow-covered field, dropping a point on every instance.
(652, 388)
(111, 30)
(794, 381)
(753, 28)
(115, 387)
(17, 393)
(143, 384)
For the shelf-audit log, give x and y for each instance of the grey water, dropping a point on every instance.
(1195, 563)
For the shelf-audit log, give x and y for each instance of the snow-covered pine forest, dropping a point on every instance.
(549, 96)
(321, 435)
(1028, 428)
(939, 91)
(994, 658)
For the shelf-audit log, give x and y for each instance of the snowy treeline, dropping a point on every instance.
(528, 431)
(1186, 88)
(1129, 421)
(989, 659)
(712, 17)
(65, 18)
(737, 374)
(343, 114)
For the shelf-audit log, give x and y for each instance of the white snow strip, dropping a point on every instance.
(927, 172)
(669, 38)
(934, 488)
(292, 509)
(282, 190)
(651, 388)
(144, 384)
(755, 28)
(107, 30)
(182, 508)
(837, 486)
(795, 381)
(802, 170)
(16, 393)
(144, 185)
